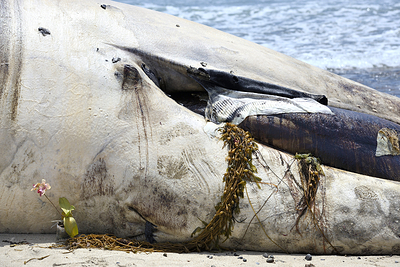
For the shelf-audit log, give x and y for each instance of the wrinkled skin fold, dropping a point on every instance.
(79, 110)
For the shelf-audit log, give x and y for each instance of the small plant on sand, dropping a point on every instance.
(71, 228)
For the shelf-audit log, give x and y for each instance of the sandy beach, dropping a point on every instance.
(36, 252)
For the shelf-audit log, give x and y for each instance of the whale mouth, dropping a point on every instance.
(188, 86)
(212, 80)
(194, 101)
(230, 98)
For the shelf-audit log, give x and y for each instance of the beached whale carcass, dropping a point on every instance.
(83, 105)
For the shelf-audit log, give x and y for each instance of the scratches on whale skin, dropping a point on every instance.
(199, 168)
(166, 208)
(367, 207)
(393, 215)
(180, 130)
(17, 57)
(97, 182)
(5, 54)
(172, 168)
(165, 205)
(157, 203)
(143, 124)
(393, 219)
(137, 109)
(11, 45)
(17, 169)
(189, 165)
(5, 44)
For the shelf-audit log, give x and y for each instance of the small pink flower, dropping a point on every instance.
(41, 187)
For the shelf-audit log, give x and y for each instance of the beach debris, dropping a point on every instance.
(310, 174)
(41, 258)
(270, 258)
(13, 243)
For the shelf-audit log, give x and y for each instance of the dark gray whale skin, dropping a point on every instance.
(345, 140)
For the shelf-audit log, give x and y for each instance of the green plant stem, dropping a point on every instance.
(53, 206)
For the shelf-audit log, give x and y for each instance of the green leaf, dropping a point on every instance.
(71, 228)
(66, 207)
(198, 229)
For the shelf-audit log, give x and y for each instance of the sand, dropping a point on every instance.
(38, 253)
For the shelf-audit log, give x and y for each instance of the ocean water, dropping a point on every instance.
(356, 39)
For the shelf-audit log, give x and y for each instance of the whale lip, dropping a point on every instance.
(211, 78)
